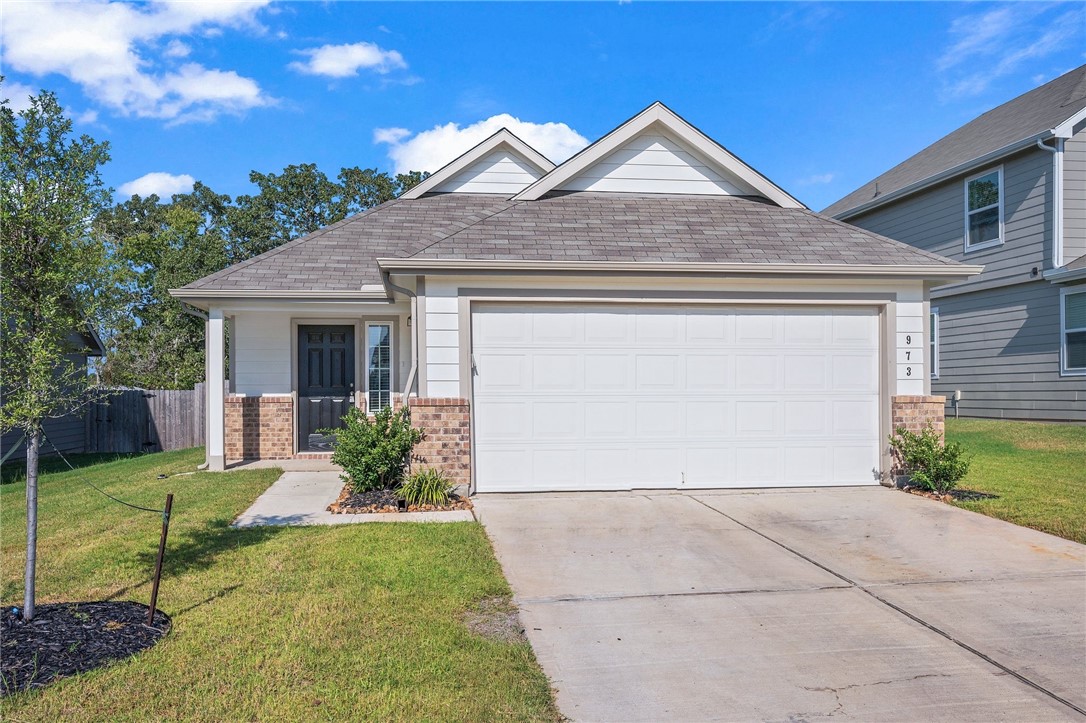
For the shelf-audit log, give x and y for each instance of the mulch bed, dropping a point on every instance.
(952, 496)
(64, 639)
(386, 502)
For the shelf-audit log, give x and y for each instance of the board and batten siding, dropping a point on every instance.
(934, 220)
(1074, 196)
(1001, 349)
(655, 164)
(499, 172)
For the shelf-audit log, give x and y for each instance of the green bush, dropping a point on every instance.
(374, 453)
(929, 463)
(428, 486)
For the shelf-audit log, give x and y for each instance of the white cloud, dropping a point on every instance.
(87, 117)
(991, 44)
(818, 179)
(344, 61)
(17, 94)
(161, 184)
(432, 149)
(176, 49)
(109, 48)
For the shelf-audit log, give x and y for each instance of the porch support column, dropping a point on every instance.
(216, 378)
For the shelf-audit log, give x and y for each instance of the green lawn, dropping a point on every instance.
(1036, 471)
(328, 623)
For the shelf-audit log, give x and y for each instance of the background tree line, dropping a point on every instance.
(164, 245)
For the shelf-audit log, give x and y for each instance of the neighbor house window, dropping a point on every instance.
(378, 366)
(933, 344)
(984, 210)
(1073, 328)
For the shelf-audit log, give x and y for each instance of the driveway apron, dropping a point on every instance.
(855, 603)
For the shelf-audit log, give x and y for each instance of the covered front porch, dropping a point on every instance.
(277, 374)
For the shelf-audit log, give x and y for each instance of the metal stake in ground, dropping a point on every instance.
(158, 562)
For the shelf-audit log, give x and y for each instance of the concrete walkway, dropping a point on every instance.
(302, 498)
(789, 605)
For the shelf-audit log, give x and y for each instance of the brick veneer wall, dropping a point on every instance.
(915, 413)
(259, 428)
(446, 441)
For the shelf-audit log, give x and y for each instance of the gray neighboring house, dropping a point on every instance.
(1006, 191)
(68, 433)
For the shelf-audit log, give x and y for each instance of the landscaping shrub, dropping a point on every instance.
(930, 464)
(427, 486)
(374, 453)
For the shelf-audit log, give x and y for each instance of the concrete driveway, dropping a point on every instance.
(793, 605)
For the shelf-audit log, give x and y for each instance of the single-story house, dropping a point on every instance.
(651, 313)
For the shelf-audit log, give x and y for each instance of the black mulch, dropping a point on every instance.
(373, 501)
(68, 638)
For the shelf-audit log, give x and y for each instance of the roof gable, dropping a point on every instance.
(658, 152)
(501, 164)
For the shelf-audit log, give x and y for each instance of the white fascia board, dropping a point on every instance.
(920, 271)
(503, 138)
(931, 180)
(1062, 276)
(205, 298)
(658, 113)
(1066, 129)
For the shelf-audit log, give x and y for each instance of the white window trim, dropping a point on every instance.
(933, 342)
(1064, 370)
(966, 246)
(391, 361)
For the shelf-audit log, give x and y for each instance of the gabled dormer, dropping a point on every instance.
(502, 165)
(657, 152)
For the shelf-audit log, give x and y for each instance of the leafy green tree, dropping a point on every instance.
(56, 278)
(168, 245)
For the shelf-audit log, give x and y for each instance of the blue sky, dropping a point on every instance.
(820, 97)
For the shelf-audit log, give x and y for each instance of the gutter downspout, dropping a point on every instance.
(193, 311)
(386, 279)
(1057, 199)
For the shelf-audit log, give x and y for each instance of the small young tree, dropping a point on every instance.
(56, 278)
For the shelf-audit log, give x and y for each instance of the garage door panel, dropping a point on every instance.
(606, 372)
(626, 396)
(555, 372)
(757, 418)
(607, 419)
(708, 372)
(756, 373)
(712, 418)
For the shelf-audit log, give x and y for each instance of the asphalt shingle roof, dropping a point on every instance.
(1039, 110)
(566, 227)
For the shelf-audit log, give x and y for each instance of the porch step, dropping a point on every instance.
(324, 456)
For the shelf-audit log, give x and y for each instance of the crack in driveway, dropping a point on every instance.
(897, 608)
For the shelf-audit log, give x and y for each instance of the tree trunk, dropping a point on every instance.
(33, 441)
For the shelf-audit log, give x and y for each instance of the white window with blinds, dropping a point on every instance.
(984, 210)
(1073, 331)
(378, 366)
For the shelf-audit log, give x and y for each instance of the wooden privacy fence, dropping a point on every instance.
(146, 420)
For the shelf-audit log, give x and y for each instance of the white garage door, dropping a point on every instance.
(604, 397)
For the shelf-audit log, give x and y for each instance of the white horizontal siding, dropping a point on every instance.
(654, 164)
(262, 348)
(1074, 197)
(442, 341)
(499, 172)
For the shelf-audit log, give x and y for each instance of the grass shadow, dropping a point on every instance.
(12, 472)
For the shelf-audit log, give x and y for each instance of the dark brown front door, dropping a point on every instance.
(325, 382)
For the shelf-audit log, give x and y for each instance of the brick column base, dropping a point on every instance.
(259, 428)
(915, 414)
(446, 440)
